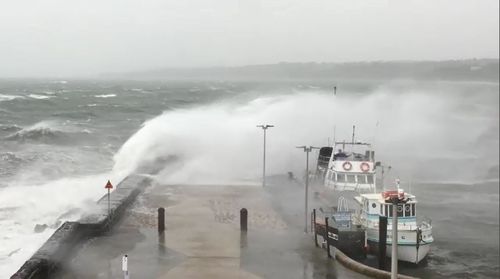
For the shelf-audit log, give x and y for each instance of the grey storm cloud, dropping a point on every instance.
(87, 37)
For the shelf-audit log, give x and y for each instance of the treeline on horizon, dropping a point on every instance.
(470, 70)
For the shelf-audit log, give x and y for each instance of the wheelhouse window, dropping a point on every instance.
(361, 178)
(340, 177)
(390, 210)
(408, 212)
(400, 210)
(369, 179)
(351, 178)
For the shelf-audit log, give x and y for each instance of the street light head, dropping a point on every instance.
(265, 126)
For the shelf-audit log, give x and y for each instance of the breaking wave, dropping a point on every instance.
(421, 134)
(49, 132)
(10, 128)
(37, 132)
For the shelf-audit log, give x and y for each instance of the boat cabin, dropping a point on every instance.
(375, 205)
(350, 169)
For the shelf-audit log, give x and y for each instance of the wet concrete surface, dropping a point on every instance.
(203, 239)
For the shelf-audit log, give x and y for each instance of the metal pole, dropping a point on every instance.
(264, 128)
(306, 211)
(264, 163)
(394, 255)
(109, 206)
(315, 231)
(306, 149)
(327, 238)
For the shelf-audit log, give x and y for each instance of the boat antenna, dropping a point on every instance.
(334, 134)
(409, 186)
(375, 133)
(353, 132)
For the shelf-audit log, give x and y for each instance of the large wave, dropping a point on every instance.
(50, 132)
(423, 135)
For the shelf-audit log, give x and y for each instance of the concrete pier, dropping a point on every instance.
(61, 246)
(203, 239)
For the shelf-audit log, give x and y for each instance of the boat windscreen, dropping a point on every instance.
(369, 179)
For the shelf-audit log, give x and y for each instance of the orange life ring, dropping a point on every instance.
(347, 166)
(364, 167)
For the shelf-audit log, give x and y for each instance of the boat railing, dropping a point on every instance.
(426, 223)
(323, 160)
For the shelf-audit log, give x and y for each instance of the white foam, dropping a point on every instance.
(219, 142)
(105, 96)
(40, 97)
(9, 97)
(40, 204)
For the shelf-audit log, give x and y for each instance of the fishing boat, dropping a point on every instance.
(343, 234)
(414, 238)
(349, 169)
(347, 166)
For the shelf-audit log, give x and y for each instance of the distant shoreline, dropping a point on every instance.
(459, 70)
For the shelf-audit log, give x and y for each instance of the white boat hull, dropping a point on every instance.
(410, 253)
(406, 253)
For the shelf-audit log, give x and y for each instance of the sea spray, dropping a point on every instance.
(219, 143)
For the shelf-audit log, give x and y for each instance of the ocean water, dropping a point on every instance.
(60, 141)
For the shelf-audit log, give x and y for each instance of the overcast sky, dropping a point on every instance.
(87, 37)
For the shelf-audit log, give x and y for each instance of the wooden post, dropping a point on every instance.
(382, 242)
(243, 219)
(312, 221)
(161, 220)
(327, 238)
(314, 225)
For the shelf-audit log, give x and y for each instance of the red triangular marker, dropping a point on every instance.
(108, 185)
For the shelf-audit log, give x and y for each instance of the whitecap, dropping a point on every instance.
(105, 96)
(9, 97)
(40, 97)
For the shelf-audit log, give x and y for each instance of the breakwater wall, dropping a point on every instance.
(364, 269)
(62, 243)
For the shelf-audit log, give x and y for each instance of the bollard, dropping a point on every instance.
(327, 238)
(312, 221)
(382, 242)
(161, 220)
(125, 267)
(314, 225)
(243, 219)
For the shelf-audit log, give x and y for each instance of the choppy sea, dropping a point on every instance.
(60, 141)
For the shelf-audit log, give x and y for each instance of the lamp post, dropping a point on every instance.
(398, 202)
(264, 128)
(394, 253)
(306, 149)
